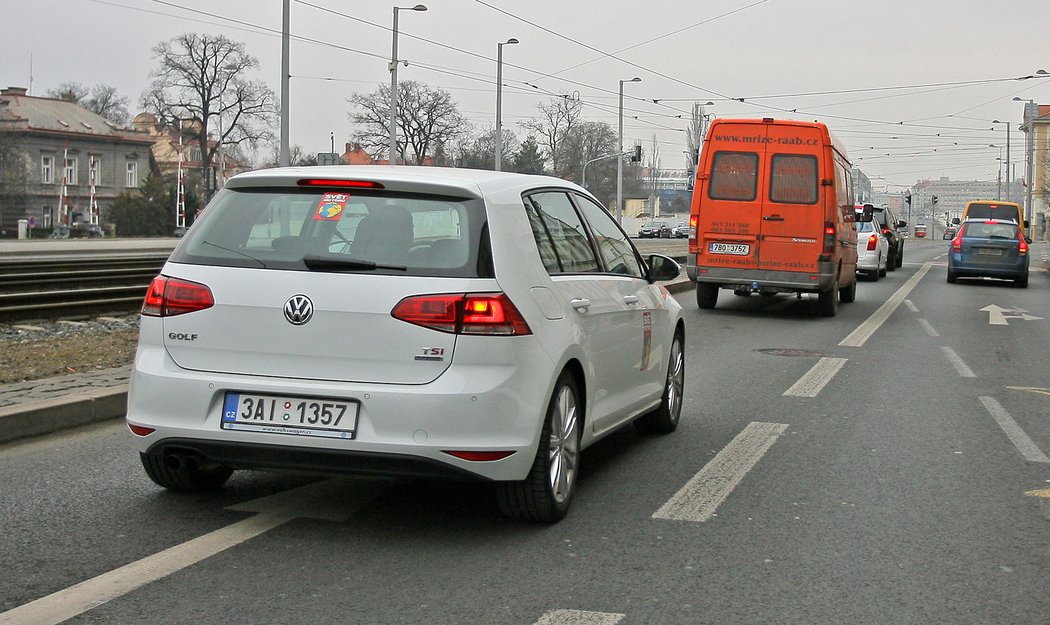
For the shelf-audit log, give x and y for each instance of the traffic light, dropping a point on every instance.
(935, 200)
(637, 156)
(907, 199)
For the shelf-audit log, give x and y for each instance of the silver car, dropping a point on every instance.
(408, 322)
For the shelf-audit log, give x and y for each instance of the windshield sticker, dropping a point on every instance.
(331, 206)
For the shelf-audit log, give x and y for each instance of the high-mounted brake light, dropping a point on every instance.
(168, 297)
(463, 313)
(336, 182)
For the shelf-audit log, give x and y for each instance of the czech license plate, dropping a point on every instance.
(738, 249)
(299, 416)
(990, 251)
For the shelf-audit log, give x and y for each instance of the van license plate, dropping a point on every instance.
(739, 249)
(298, 416)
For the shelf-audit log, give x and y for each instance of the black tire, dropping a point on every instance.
(898, 258)
(706, 295)
(536, 498)
(828, 301)
(848, 294)
(1022, 282)
(664, 419)
(185, 473)
(885, 268)
(891, 260)
(952, 277)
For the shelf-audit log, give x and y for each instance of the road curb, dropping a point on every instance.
(52, 415)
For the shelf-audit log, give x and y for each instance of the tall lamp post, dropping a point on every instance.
(996, 121)
(619, 161)
(1029, 139)
(499, 99)
(393, 83)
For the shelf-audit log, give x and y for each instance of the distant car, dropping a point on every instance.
(896, 231)
(400, 321)
(989, 248)
(655, 230)
(920, 232)
(949, 233)
(681, 230)
(872, 249)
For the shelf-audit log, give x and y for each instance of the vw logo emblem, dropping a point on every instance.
(298, 310)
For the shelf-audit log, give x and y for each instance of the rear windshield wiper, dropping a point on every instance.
(334, 263)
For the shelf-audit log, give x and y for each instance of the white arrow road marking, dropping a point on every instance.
(705, 491)
(1025, 445)
(329, 500)
(997, 315)
(579, 617)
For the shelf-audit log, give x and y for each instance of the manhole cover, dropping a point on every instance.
(795, 353)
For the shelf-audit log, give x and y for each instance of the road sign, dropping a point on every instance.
(32, 221)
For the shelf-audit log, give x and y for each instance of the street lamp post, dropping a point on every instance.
(996, 121)
(619, 161)
(1029, 139)
(499, 99)
(393, 83)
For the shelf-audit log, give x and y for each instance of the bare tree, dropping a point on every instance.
(558, 117)
(101, 99)
(201, 86)
(426, 118)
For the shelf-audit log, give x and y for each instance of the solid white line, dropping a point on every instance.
(864, 331)
(325, 499)
(929, 328)
(816, 378)
(958, 363)
(705, 491)
(579, 617)
(1025, 445)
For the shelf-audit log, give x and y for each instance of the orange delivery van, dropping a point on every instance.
(772, 212)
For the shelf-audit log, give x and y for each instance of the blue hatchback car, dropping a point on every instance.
(989, 248)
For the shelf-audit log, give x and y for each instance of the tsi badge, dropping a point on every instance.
(432, 353)
(298, 310)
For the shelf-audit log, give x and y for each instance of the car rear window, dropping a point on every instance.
(793, 179)
(990, 231)
(991, 211)
(734, 176)
(404, 234)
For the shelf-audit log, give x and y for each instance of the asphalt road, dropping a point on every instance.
(872, 468)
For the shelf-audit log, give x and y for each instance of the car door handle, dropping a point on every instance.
(773, 218)
(580, 304)
(630, 299)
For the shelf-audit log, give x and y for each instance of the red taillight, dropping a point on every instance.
(694, 220)
(479, 456)
(957, 243)
(463, 313)
(168, 297)
(138, 430)
(335, 182)
(829, 237)
(886, 231)
(873, 242)
(1022, 247)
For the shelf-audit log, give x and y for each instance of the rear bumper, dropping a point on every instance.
(763, 279)
(970, 268)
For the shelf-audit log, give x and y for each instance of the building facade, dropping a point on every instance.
(69, 164)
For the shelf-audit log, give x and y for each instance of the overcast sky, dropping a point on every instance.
(911, 87)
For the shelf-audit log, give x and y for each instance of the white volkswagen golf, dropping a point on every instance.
(403, 322)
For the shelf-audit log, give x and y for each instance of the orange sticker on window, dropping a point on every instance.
(331, 206)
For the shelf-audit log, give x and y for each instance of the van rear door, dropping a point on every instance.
(792, 210)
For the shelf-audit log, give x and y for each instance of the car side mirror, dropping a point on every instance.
(956, 221)
(1028, 240)
(902, 224)
(1026, 223)
(662, 268)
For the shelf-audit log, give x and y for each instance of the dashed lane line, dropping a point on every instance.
(579, 617)
(1021, 441)
(858, 337)
(810, 384)
(957, 362)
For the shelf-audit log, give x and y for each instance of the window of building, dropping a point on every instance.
(195, 155)
(47, 169)
(133, 175)
(71, 171)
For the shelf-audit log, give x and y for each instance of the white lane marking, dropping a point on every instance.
(579, 617)
(329, 496)
(705, 491)
(1025, 445)
(864, 331)
(957, 362)
(911, 306)
(997, 315)
(929, 328)
(816, 378)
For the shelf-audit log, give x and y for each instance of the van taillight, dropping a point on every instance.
(168, 297)
(873, 242)
(463, 313)
(829, 237)
(694, 220)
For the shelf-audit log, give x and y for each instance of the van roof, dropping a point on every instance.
(828, 136)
